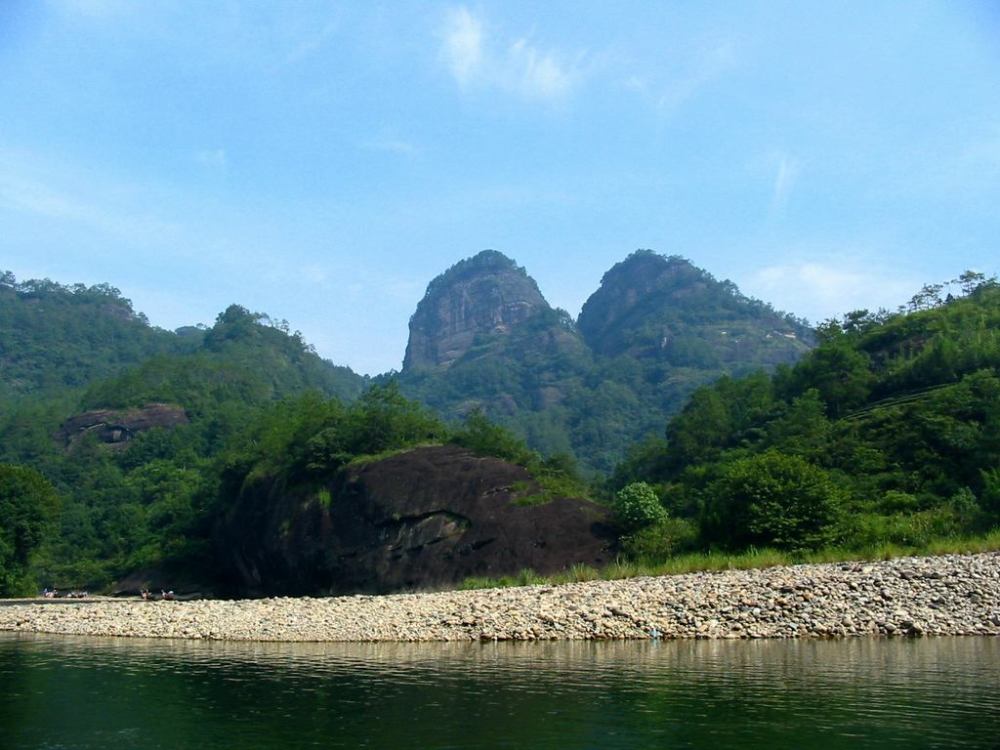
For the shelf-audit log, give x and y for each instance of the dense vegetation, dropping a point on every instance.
(28, 506)
(887, 433)
(147, 502)
(658, 328)
(257, 400)
(154, 505)
(58, 337)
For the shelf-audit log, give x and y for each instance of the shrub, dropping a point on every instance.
(895, 501)
(660, 541)
(913, 530)
(773, 499)
(637, 506)
(990, 497)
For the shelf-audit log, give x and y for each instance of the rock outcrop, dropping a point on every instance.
(115, 427)
(484, 338)
(655, 307)
(485, 295)
(428, 517)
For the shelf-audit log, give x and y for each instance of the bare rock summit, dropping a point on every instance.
(483, 296)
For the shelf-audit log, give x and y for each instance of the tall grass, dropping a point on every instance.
(696, 562)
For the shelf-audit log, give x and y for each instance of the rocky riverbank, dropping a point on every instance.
(946, 595)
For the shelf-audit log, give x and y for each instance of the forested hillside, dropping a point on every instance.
(141, 432)
(209, 455)
(131, 455)
(484, 338)
(137, 477)
(57, 337)
(888, 432)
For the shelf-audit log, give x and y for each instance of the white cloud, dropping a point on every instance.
(707, 64)
(391, 145)
(784, 181)
(463, 45)
(314, 273)
(985, 150)
(518, 66)
(536, 73)
(827, 288)
(91, 8)
(311, 43)
(26, 195)
(215, 157)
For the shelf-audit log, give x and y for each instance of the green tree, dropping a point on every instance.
(485, 438)
(839, 372)
(383, 419)
(772, 499)
(802, 427)
(970, 281)
(991, 492)
(28, 506)
(637, 506)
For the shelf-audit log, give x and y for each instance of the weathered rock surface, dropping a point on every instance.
(116, 427)
(487, 294)
(432, 516)
(947, 595)
(651, 306)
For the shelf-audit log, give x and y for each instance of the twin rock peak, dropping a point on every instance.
(644, 303)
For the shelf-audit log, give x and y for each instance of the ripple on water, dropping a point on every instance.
(97, 692)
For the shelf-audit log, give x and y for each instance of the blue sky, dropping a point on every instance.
(323, 161)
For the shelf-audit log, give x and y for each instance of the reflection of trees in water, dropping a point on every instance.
(582, 694)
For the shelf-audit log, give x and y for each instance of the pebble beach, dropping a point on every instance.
(914, 596)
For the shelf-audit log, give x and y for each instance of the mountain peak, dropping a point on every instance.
(486, 294)
(665, 307)
(645, 270)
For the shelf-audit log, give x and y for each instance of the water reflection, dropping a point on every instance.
(91, 692)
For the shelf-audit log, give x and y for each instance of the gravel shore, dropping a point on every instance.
(945, 595)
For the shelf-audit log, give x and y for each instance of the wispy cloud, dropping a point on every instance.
(985, 150)
(30, 196)
(91, 8)
(682, 78)
(786, 174)
(311, 43)
(463, 45)
(820, 289)
(478, 60)
(391, 145)
(214, 157)
(314, 273)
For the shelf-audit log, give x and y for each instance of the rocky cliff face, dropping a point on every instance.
(486, 295)
(658, 327)
(428, 517)
(665, 308)
(630, 292)
(117, 427)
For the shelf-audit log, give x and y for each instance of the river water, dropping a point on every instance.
(67, 692)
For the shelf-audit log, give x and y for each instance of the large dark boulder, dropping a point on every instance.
(426, 518)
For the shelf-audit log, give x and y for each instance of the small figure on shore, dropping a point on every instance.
(145, 595)
(167, 596)
(49, 594)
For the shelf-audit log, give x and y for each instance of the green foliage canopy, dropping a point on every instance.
(636, 506)
(28, 507)
(887, 433)
(774, 500)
